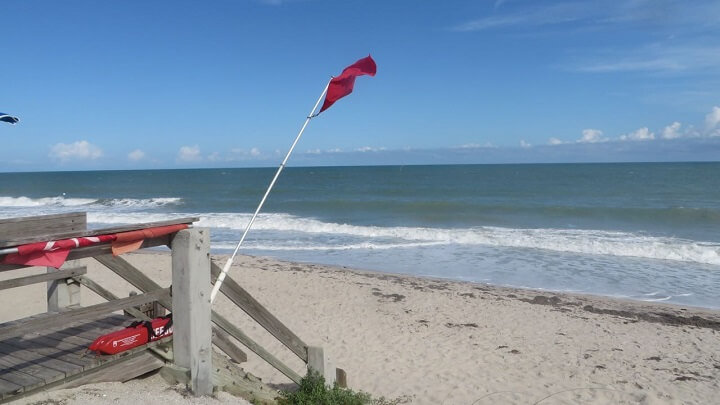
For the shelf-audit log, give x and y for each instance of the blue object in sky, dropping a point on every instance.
(8, 118)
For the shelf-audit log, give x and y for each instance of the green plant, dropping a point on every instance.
(313, 391)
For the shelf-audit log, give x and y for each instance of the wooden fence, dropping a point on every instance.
(197, 327)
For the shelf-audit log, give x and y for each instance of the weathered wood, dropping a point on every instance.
(43, 346)
(64, 318)
(104, 293)
(49, 235)
(92, 251)
(64, 293)
(53, 360)
(41, 278)
(228, 377)
(128, 272)
(192, 337)
(10, 363)
(241, 337)
(124, 368)
(341, 378)
(53, 344)
(120, 369)
(222, 340)
(57, 362)
(26, 381)
(132, 275)
(25, 228)
(8, 389)
(231, 289)
(319, 361)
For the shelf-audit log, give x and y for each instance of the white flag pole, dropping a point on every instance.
(226, 268)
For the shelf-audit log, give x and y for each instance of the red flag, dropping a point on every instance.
(129, 241)
(52, 253)
(342, 85)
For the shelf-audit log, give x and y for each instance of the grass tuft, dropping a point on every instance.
(313, 391)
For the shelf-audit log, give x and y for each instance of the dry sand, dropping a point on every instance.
(440, 342)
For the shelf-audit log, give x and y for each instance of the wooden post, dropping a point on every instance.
(65, 292)
(318, 361)
(341, 378)
(192, 337)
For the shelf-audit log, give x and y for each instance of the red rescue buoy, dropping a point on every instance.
(137, 334)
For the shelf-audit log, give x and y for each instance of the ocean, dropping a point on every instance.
(644, 231)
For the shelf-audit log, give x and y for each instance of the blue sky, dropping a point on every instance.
(165, 84)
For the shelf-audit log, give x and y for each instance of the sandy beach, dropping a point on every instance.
(432, 341)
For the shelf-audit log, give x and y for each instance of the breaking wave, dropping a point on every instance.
(334, 236)
(59, 201)
(141, 203)
(63, 201)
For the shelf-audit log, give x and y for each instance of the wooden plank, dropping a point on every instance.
(45, 347)
(128, 272)
(192, 336)
(53, 361)
(235, 332)
(48, 236)
(62, 294)
(26, 381)
(9, 363)
(223, 341)
(19, 377)
(8, 389)
(142, 282)
(231, 289)
(91, 251)
(32, 227)
(40, 278)
(341, 378)
(119, 369)
(228, 377)
(64, 318)
(104, 293)
(59, 360)
(319, 361)
(68, 344)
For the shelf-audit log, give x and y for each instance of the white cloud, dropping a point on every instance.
(79, 150)
(592, 136)
(369, 149)
(657, 57)
(612, 15)
(321, 151)
(672, 131)
(713, 118)
(559, 13)
(640, 134)
(477, 145)
(524, 144)
(136, 155)
(189, 154)
(555, 141)
(244, 154)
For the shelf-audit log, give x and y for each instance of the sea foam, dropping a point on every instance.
(59, 201)
(335, 236)
(88, 203)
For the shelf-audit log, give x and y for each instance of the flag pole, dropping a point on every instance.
(229, 262)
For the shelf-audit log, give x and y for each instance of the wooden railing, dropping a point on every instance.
(192, 274)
